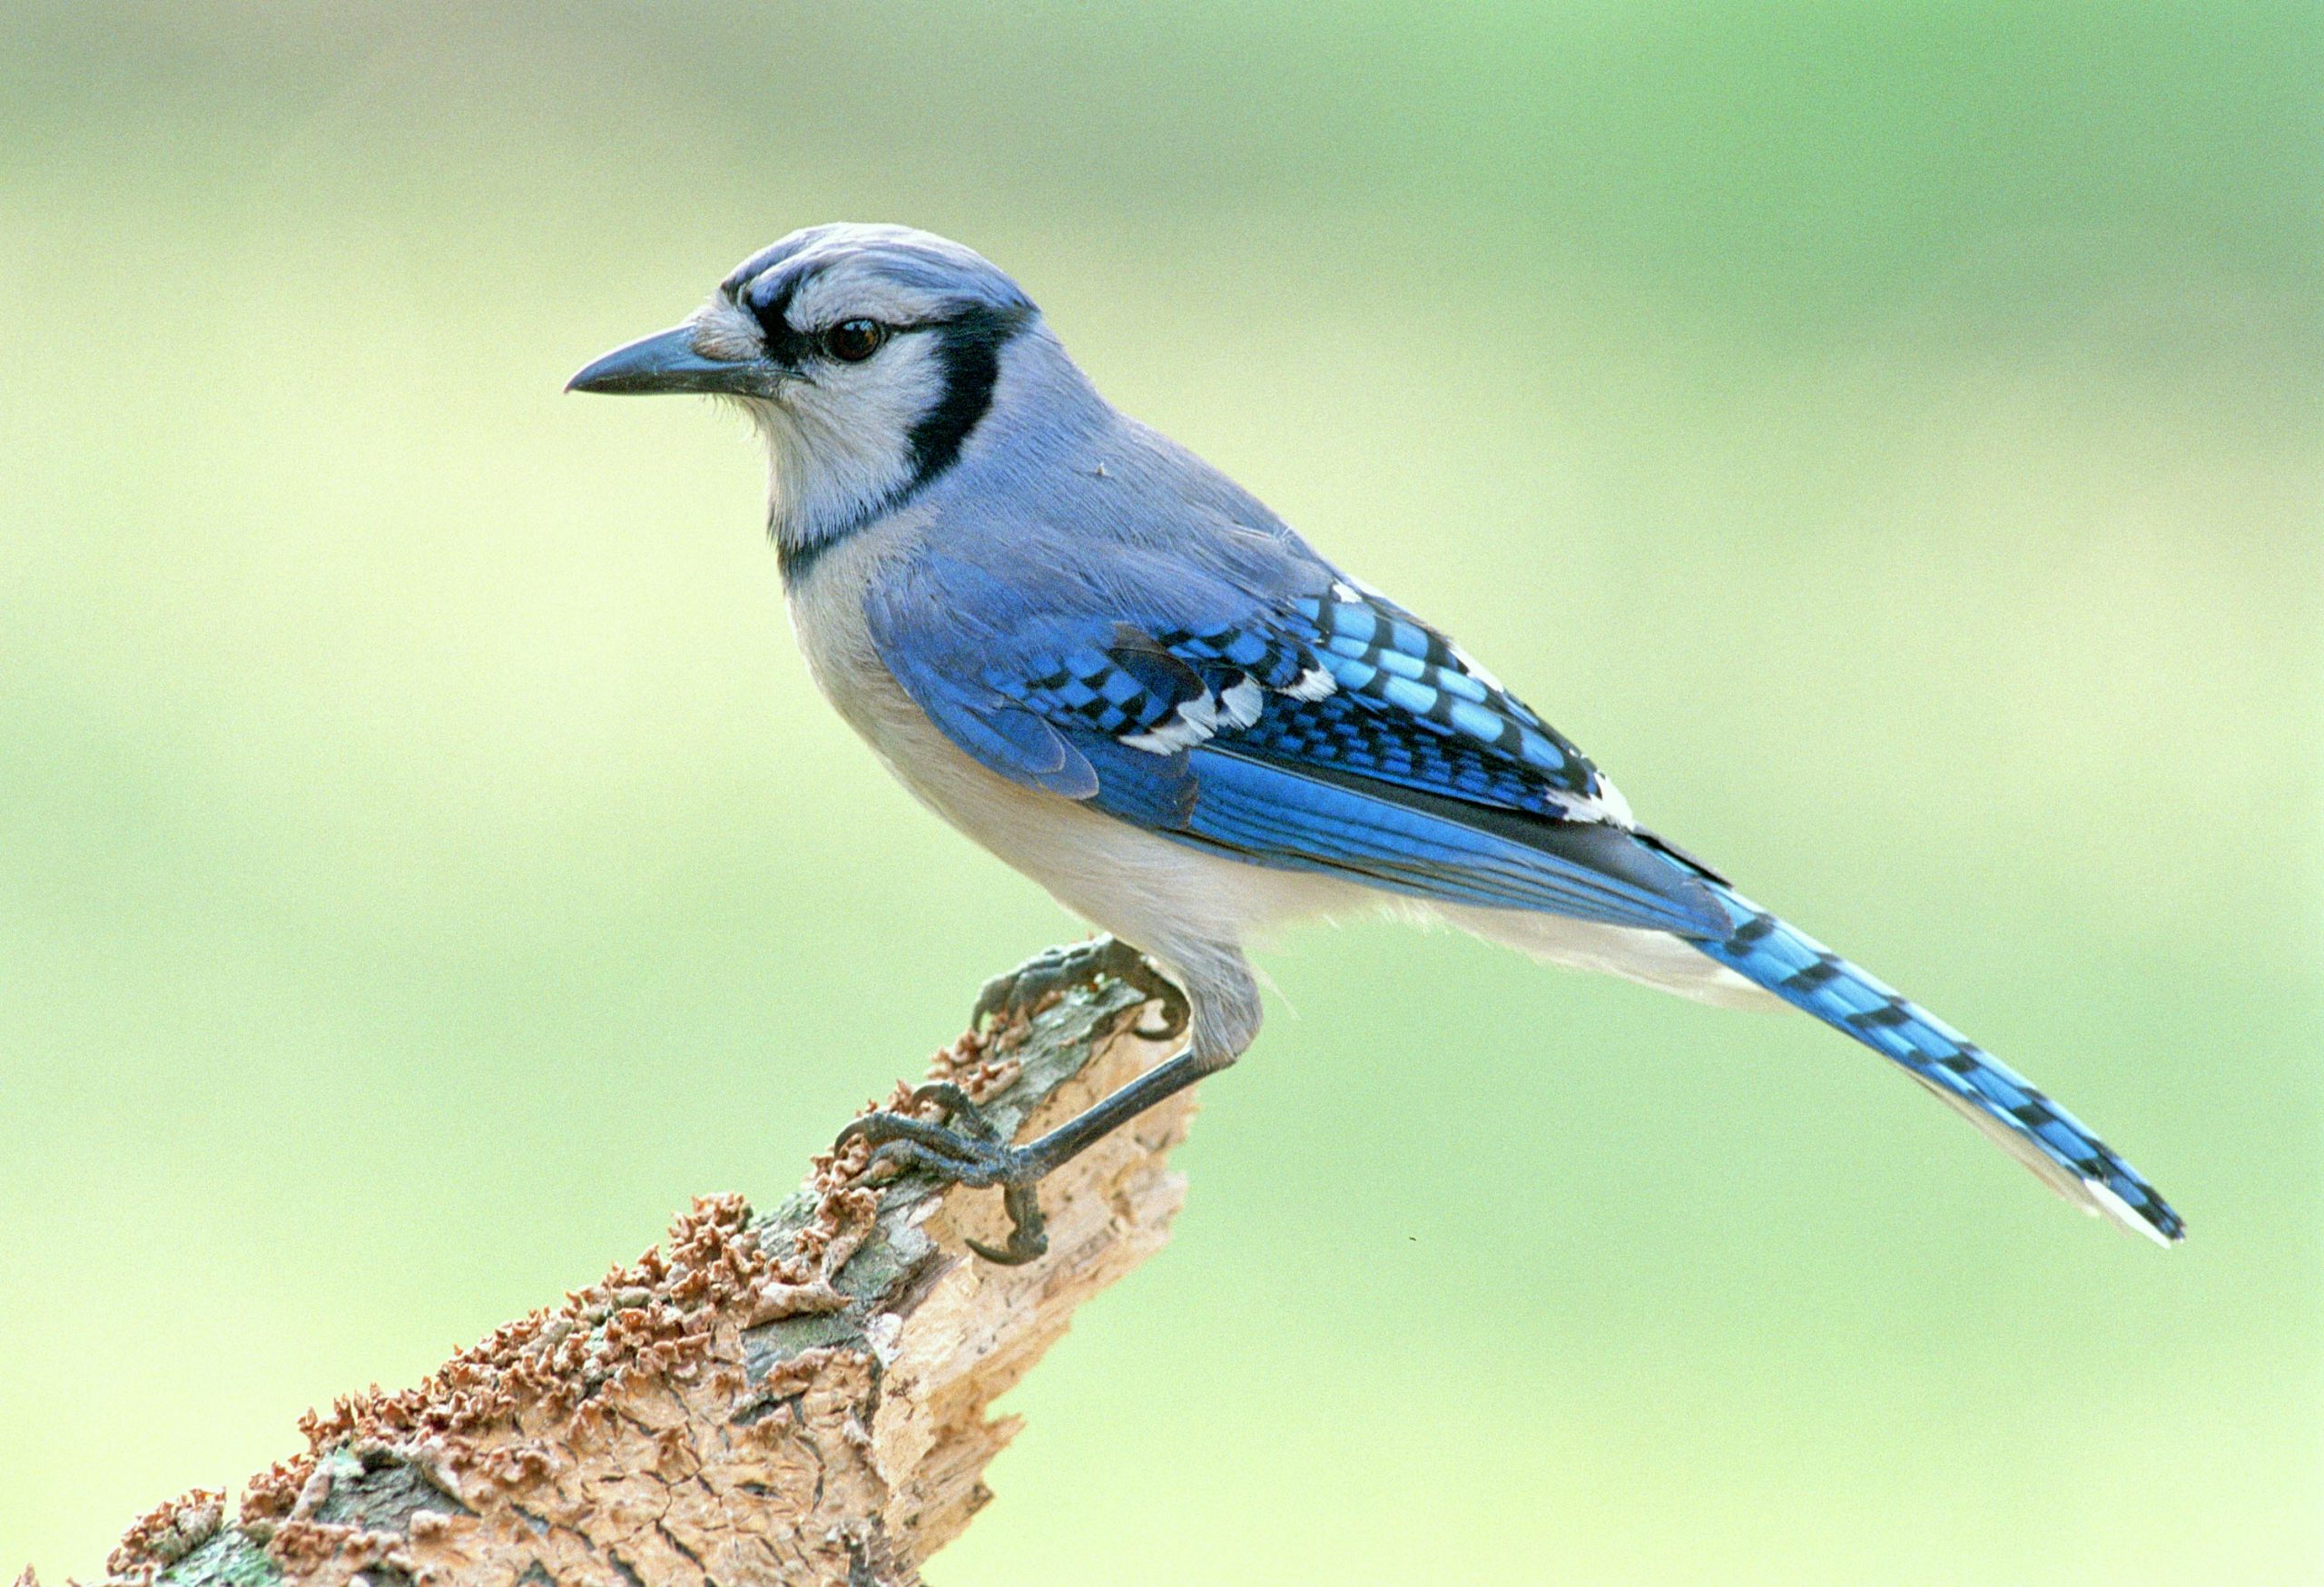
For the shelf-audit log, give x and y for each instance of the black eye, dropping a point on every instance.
(852, 341)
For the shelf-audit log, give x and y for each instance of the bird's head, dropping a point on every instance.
(867, 356)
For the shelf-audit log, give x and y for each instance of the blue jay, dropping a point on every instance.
(1112, 666)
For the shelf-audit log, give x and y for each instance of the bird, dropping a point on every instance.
(1112, 666)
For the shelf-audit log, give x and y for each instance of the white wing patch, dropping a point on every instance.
(1191, 723)
(1315, 684)
(1200, 720)
(1239, 707)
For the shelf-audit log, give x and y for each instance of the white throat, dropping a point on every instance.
(825, 479)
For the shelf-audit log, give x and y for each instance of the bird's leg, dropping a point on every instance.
(968, 1150)
(1082, 964)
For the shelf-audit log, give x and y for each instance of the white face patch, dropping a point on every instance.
(838, 433)
(839, 436)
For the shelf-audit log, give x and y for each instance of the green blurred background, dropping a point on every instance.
(1888, 437)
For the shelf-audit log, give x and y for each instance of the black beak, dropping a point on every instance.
(668, 362)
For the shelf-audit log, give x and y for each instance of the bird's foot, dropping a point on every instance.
(1016, 995)
(966, 1149)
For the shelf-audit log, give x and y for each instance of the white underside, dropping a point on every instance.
(1656, 958)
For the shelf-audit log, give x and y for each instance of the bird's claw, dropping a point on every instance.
(1014, 996)
(1027, 1238)
(966, 1149)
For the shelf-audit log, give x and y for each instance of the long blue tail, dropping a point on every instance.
(2039, 1133)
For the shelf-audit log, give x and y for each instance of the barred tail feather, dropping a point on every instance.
(2035, 1130)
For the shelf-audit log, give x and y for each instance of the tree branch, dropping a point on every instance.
(798, 1396)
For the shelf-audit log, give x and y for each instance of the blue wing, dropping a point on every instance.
(1320, 728)
(1328, 730)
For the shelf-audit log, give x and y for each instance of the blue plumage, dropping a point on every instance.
(1117, 669)
(1381, 653)
(2043, 1136)
(1369, 747)
(1383, 741)
(1444, 850)
(1333, 734)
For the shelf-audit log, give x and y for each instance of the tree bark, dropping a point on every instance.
(798, 1396)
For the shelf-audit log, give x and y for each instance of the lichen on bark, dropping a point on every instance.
(798, 1397)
